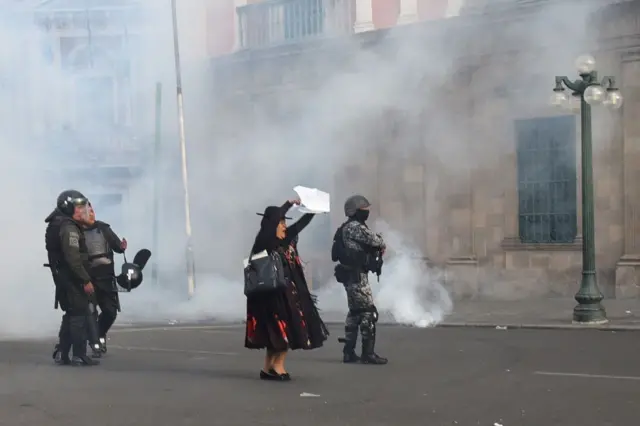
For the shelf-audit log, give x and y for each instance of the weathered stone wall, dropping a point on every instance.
(439, 158)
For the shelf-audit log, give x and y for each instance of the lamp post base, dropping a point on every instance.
(589, 318)
(589, 313)
(589, 309)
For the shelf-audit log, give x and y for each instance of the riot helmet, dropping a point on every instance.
(355, 203)
(68, 200)
(130, 277)
(131, 273)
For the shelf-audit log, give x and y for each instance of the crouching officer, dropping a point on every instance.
(68, 261)
(102, 242)
(358, 251)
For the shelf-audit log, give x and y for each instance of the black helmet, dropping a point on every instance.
(69, 199)
(354, 203)
(131, 276)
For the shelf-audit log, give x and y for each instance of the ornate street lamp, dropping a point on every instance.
(587, 91)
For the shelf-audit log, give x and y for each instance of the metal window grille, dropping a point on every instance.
(275, 22)
(546, 158)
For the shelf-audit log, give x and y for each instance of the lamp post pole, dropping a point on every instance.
(191, 269)
(590, 92)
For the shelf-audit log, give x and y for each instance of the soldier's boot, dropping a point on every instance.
(350, 339)
(79, 343)
(368, 354)
(349, 355)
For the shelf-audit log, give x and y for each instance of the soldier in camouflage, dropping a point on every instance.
(353, 246)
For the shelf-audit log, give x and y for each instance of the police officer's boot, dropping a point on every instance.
(61, 350)
(92, 330)
(105, 321)
(79, 342)
(103, 344)
(368, 354)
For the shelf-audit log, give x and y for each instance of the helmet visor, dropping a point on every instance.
(82, 208)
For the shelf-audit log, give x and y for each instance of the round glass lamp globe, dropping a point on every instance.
(594, 95)
(613, 100)
(585, 64)
(558, 99)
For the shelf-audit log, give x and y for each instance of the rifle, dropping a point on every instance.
(377, 263)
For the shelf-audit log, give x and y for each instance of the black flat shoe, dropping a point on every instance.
(284, 377)
(268, 376)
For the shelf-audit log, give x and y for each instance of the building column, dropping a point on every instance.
(364, 16)
(462, 266)
(408, 12)
(461, 272)
(628, 267)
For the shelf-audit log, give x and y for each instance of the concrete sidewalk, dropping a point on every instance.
(538, 314)
(623, 314)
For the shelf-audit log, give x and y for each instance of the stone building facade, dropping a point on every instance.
(428, 122)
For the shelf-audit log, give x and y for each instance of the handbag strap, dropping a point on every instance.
(251, 253)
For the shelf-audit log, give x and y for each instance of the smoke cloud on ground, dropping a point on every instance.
(244, 156)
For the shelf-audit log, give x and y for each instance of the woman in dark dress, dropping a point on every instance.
(286, 319)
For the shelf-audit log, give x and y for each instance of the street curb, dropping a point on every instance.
(603, 327)
(513, 326)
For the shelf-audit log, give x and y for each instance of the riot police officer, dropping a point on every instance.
(358, 251)
(102, 242)
(68, 260)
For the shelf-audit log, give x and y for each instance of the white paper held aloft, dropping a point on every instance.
(312, 200)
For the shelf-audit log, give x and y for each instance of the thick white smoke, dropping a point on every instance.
(409, 292)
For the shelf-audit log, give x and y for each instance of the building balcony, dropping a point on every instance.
(265, 23)
(276, 22)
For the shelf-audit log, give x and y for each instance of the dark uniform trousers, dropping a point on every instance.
(362, 313)
(106, 297)
(75, 304)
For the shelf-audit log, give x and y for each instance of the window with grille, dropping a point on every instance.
(546, 157)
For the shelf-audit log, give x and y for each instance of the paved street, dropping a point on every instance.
(443, 376)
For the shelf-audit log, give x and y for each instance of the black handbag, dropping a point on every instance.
(263, 273)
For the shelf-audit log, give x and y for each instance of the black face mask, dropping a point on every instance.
(361, 215)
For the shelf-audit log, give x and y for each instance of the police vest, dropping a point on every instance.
(98, 247)
(53, 244)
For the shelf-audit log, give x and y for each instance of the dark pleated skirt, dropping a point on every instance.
(287, 319)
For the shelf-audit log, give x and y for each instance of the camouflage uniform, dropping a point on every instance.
(357, 237)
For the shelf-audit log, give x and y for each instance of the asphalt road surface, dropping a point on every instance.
(202, 376)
